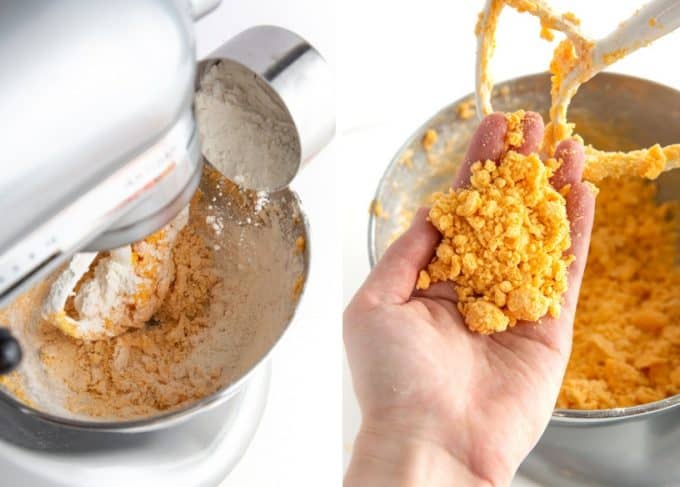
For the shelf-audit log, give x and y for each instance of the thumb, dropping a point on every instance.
(393, 279)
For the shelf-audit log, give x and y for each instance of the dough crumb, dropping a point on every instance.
(429, 139)
(514, 137)
(300, 244)
(145, 370)
(504, 242)
(406, 159)
(377, 210)
(466, 110)
(547, 33)
(298, 286)
(626, 348)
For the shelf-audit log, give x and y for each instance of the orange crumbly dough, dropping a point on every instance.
(10, 383)
(466, 110)
(298, 287)
(563, 61)
(300, 244)
(377, 210)
(504, 243)
(647, 163)
(573, 61)
(626, 348)
(612, 57)
(514, 137)
(546, 33)
(147, 257)
(571, 17)
(142, 370)
(429, 139)
(406, 159)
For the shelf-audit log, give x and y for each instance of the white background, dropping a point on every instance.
(298, 440)
(400, 62)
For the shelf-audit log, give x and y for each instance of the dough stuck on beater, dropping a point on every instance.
(101, 295)
(574, 62)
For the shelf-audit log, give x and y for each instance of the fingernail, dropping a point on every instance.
(594, 190)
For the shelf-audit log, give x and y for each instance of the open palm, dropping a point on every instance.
(417, 370)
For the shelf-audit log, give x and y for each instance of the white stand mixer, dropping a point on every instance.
(106, 153)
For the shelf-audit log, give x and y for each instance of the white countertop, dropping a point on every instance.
(397, 67)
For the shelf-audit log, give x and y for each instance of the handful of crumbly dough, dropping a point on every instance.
(504, 243)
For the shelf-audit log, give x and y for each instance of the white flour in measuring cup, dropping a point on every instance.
(245, 130)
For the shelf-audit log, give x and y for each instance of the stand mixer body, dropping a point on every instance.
(102, 151)
(101, 148)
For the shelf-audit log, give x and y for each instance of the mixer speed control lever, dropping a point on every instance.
(10, 352)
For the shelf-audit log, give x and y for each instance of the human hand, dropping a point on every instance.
(442, 405)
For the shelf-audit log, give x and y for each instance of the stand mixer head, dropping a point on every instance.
(126, 159)
(102, 147)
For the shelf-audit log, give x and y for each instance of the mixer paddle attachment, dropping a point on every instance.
(576, 60)
(102, 295)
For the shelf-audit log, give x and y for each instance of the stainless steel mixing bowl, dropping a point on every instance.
(291, 70)
(631, 446)
(290, 217)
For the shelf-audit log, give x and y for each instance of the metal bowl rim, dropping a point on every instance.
(559, 416)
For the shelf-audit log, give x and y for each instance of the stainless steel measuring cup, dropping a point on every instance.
(287, 68)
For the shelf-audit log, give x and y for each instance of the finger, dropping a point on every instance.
(581, 212)
(571, 153)
(487, 143)
(532, 129)
(394, 277)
